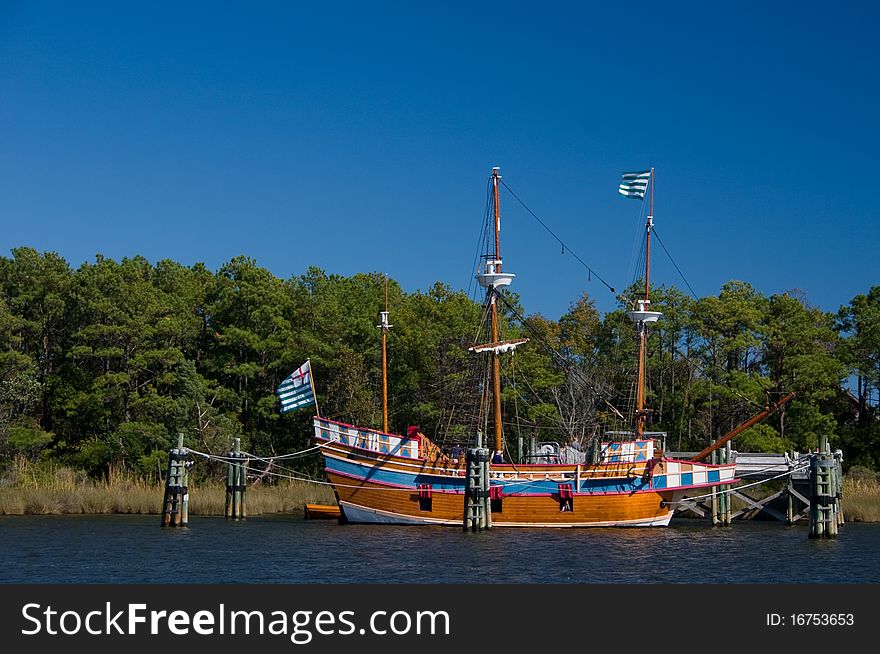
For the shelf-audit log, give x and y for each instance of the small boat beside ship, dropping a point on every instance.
(322, 512)
(381, 477)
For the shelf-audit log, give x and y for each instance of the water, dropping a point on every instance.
(288, 549)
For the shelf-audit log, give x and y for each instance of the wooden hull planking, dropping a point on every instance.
(366, 501)
(380, 480)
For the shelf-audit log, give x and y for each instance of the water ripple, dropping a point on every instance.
(287, 549)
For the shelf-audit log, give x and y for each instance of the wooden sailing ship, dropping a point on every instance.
(380, 477)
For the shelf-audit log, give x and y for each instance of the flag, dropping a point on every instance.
(296, 390)
(634, 184)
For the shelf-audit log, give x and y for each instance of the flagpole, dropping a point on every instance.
(641, 415)
(648, 226)
(312, 384)
(641, 315)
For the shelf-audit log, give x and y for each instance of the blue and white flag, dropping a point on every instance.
(634, 184)
(296, 390)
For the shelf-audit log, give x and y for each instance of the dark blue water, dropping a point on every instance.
(288, 549)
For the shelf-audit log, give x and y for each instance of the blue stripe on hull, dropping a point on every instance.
(510, 487)
(394, 477)
(605, 486)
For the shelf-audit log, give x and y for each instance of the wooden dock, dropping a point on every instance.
(790, 504)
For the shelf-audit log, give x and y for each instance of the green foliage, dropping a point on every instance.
(102, 366)
(27, 440)
(762, 438)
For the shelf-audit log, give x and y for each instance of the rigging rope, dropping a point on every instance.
(483, 235)
(297, 478)
(270, 460)
(720, 383)
(515, 407)
(559, 240)
(660, 241)
(565, 362)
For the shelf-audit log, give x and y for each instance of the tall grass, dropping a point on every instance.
(860, 499)
(30, 489)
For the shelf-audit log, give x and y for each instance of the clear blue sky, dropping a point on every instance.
(359, 137)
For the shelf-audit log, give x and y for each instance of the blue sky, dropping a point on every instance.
(359, 137)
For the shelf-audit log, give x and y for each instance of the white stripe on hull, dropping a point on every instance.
(361, 514)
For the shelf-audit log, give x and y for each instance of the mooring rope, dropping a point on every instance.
(292, 455)
(304, 477)
(229, 459)
(246, 455)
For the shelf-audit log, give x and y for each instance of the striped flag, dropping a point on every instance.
(634, 184)
(296, 390)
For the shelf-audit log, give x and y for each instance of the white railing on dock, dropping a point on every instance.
(757, 465)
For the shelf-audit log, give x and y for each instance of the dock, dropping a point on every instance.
(811, 489)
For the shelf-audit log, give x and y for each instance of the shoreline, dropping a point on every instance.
(860, 499)
(146, 499)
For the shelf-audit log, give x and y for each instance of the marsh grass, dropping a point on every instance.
(28, 489)
(860, 499)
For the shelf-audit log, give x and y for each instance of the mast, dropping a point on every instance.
(496, 362)
(384, 327)
(491, 278)
(641, 317)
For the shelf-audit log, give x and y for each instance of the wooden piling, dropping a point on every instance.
(242, 483)
(236, 482)
(713, 514)
(183, 468)
(175, 504)
(726, 515)
(824, 505)
(236, 489)
(468, 486)
(477, 505)
(230, 484)
(838, 469)
(169, 500)
(486, 494)
(789, 489)
(720, 513)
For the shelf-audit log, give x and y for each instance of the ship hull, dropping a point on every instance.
(385, 487)
(373, 503)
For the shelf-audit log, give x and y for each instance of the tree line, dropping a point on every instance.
(103, 365)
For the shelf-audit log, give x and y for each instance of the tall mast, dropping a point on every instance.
(648, 225)
(491, 278)
(384, 327)
(496, 362)
(641, 317)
